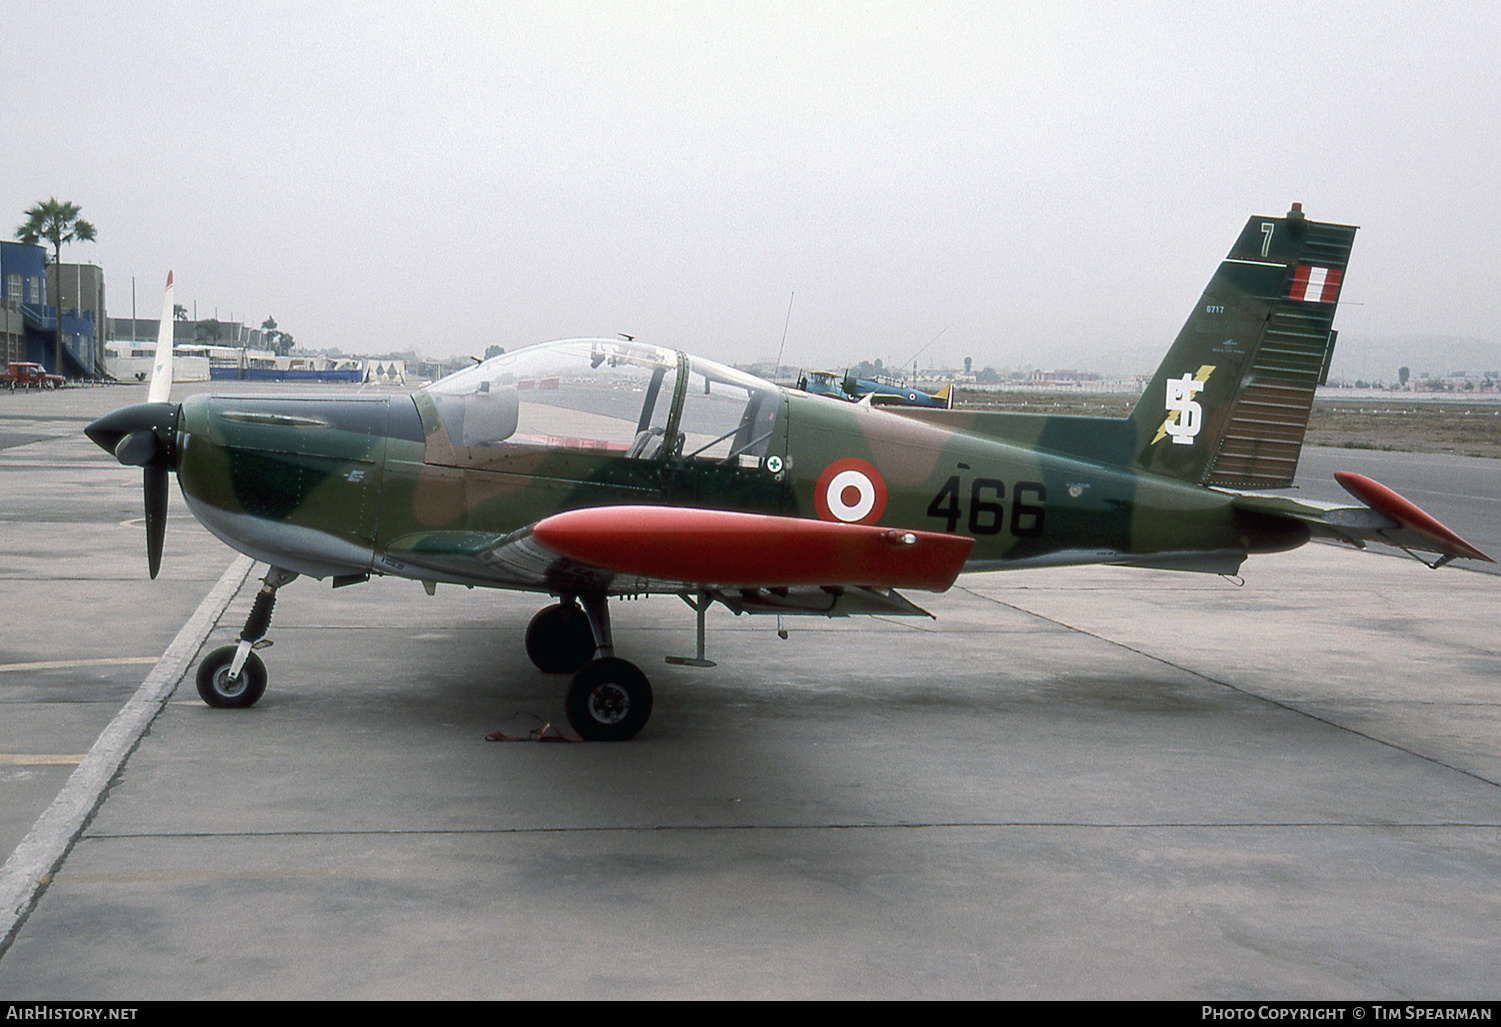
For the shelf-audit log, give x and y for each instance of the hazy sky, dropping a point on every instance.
(1032, 180)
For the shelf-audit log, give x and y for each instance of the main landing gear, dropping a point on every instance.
(609, 699)
(233, 676)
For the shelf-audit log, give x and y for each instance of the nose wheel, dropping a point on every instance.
(233, 676)
(224, 690)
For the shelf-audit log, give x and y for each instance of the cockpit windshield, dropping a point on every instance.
(613, 397)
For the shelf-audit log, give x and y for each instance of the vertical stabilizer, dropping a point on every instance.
(1229, 406)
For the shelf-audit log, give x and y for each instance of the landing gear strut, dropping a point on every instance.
(233, 676)
(609, 699)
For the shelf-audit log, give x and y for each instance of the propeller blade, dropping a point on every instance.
(161, 367)
(154, 480)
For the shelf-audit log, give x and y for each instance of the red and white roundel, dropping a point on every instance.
(850, 491)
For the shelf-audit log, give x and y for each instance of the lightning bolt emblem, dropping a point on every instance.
(1184, 415)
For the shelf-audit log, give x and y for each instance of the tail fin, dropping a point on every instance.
(1229, 406)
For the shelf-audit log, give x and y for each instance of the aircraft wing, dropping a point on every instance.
(1385, 517)
(639, 549)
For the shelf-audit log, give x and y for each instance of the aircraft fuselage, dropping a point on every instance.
(351, 485)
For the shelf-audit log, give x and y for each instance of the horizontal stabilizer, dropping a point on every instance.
(1411, 520)
(731, 549)
(1385, 517)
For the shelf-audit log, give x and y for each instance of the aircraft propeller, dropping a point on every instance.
(145, 436)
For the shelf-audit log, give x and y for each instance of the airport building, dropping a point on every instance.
(197, 346)
(23, 272)
(138, 332)
(28, 318)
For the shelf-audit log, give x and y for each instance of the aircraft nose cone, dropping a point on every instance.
(139, 435)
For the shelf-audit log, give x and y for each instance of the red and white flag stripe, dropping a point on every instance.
(1315, 284)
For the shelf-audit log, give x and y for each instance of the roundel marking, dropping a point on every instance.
(850, 491)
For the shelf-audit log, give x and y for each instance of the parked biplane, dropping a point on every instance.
(592, 468)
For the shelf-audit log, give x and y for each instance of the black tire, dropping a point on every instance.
(558, 640)
(609, 700)
(216, 687)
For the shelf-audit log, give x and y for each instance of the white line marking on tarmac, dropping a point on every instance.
(106, 661)
(41, 851)
(18, 759)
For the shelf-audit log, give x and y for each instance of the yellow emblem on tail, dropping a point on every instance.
(1185, 415)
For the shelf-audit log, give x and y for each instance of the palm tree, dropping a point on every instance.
(211, 330)
(57, 222)
(270, 337)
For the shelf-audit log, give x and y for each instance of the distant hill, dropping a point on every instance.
(1372, 359)
(1122, 363)
(1425, 355)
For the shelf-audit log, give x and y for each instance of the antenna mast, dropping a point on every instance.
(785, 326)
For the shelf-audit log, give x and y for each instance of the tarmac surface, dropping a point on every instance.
(1077, 783)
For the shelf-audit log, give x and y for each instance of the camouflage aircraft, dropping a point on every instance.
(591, 468)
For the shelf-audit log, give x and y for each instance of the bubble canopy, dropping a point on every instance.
(629, 399)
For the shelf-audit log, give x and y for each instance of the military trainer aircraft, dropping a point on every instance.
(594, 468)
(878, 391)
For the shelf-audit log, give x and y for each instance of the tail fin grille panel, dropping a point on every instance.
(1264, 434)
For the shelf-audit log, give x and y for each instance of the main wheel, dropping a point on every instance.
(221, 691)
(559, 640)
(609, 700)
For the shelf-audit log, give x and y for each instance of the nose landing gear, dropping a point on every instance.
(233, 676)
